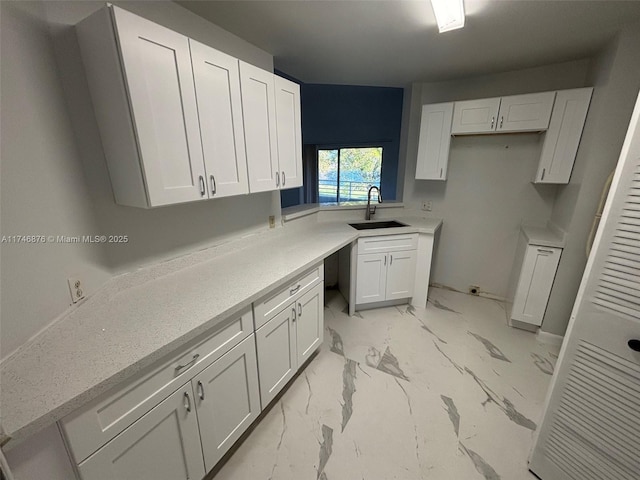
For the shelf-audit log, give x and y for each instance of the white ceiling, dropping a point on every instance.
(396, 42)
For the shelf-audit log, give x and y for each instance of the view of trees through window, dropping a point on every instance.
(345, 174)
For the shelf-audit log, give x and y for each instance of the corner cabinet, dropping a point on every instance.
(386, 268)
(179, 120)
(435, 138)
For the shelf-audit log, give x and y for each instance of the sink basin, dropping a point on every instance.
(371, 225)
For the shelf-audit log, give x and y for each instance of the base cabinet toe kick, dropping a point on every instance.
(177, 419)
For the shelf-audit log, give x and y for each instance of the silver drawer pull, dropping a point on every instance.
(294, 290)
(188, 365)
(542, 250)
(200, 390)
(187, 402)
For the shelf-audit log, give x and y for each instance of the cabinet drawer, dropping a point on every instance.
(387, 243)
(92, 426)
(265, 308)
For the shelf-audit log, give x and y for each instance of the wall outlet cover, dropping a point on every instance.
(427, 205)
(76, 289)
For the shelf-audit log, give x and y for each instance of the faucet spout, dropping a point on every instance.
(372, 210)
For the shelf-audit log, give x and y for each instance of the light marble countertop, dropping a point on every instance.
(139, 317)
(544, 236)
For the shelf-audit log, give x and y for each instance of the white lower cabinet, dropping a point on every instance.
(388, 273)
(163, 444)
(227, 400)
(177, 419)
(534, 285)
(287, 340)
(203, 418)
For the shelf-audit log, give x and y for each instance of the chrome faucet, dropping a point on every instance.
(372, 210)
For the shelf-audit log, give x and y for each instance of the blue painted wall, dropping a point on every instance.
(346, 115)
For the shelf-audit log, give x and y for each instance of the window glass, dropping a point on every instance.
(346, 174)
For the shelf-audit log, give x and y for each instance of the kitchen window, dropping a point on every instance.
(345, 174)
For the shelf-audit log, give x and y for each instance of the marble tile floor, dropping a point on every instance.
(446, 392)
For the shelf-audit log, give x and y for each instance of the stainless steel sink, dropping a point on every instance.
(382, 224)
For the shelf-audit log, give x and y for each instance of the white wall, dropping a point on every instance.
(488, 192)
(54, 176)
(616, 77)
(44, 191)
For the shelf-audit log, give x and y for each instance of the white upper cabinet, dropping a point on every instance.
(517, 113)
(525, 113)
(217, 83)
(475, 116)
(259, 113)
(289, 132)
(145, 104)
(181, 121)
(563, 136)
(435, 138)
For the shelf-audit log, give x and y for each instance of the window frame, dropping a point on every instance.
(341, 146)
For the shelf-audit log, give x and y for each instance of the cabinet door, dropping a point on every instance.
(475, 116)
(217, 81)
(371, 274)
(289, 132)
(164, 445)
(228, 400)
(435, 138)
(525, 113)
(563, 136)
(157, 68)
(536, 279)
(401, 275)
(259, 114)
(309, 322)
(276, 345)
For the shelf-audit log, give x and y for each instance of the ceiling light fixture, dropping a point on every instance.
(449, 14)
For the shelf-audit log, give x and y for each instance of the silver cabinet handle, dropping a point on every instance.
(501, 120)
(391, 260)
(543, 172)
(299, 309)
(294, 290)
(187, 402)
(189, 364)
(293, 310)
(284, 179)
(385, 260)
(441, 173)
(202, 191)
(277, 179)
(213, 185)
(200, 390)
(493, 119)
(542, 250)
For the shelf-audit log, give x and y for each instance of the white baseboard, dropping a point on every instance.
(549, 338)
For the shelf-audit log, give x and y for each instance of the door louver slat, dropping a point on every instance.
(589, 425)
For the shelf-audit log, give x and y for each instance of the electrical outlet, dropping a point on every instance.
(474, 290)
(272, 221)
(76, 289)
(427, 205)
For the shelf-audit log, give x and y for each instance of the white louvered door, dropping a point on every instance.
(591, 424)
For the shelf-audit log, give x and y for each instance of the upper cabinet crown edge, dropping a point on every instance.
(559, 115)
(178, 119)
